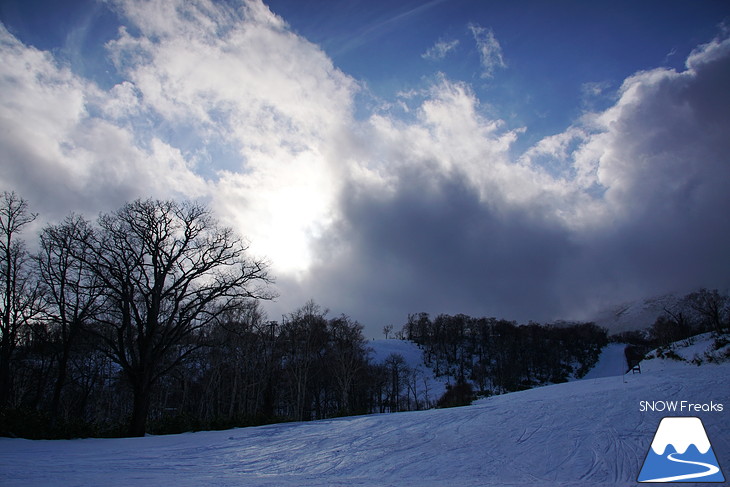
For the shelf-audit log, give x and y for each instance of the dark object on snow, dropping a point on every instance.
(461, 394)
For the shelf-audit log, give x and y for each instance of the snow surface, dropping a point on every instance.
(588, 432)
(695, 349)
(635, 315)
(381, 349)
(611, 362)
(428, 387)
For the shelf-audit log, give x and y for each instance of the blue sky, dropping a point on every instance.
(529, 160)
(553, 53)
(551, 50)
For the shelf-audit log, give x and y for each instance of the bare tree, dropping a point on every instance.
(712, 308)
(398, 371)
(239, 364)
(348, 356)
(71, 291)
(304, 337)
(19, 294)
(166, 269)
(677, 318)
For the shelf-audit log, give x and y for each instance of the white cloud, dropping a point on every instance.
(234, 70)
(240, 78)
(439, 50)
(61, 151)
(122, 102)
(490, 51)
(201, 78)
(659, 139)
(452, 136)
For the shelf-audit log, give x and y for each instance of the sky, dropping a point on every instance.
(527, 160)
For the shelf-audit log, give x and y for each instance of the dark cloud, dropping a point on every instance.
(431, 243)
(672, 146)
(434, 246)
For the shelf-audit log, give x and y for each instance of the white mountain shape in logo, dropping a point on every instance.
(670, 458)
(680, 432)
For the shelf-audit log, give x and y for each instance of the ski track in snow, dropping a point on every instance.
(587, 432)
(711, 469)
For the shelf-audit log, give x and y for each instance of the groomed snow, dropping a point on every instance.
(611, 362)
(588, 432)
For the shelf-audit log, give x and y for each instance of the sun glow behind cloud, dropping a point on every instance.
(242, 79)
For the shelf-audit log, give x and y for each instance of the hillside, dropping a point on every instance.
(587, 432)
(611, 363)
(426, 386)
(635, 315)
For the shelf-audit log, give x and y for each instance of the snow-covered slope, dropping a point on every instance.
(635, 315)
(426, 385)
(611, 363)
(694, 349)
(588, 432)
(381, 349)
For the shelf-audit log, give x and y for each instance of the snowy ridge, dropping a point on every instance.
(635, 315)
(680, 432)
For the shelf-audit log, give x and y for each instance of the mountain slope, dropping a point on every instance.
(425, 384)
(635, 315)
(588, 432)
(611, 362)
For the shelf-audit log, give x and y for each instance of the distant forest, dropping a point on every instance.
(149, 320)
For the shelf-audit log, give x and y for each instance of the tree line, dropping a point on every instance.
(701, 311)
(697, 312)
(498, 356)
(149, 319)
(136, 289)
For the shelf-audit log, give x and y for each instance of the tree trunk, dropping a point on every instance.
(4, 375)
(58, 387)
(140, 410)
(234, 393)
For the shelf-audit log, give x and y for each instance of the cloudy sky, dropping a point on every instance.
(522, 159)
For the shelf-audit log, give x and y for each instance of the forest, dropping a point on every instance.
(149, 320)
(499, 356)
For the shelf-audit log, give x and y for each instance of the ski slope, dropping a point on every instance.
(611, 362)
(424, 383)
(587, 432)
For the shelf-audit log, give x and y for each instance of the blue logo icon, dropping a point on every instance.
(681, 452)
